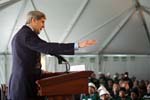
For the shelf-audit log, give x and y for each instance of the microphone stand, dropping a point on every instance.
(67, 67)
(62, 59)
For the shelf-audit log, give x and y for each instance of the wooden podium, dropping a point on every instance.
(62, 86)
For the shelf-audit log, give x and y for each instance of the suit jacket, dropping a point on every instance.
(26, 49)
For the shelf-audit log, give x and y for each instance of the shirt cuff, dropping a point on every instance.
(76, 46)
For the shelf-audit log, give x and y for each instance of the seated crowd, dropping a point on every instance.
(120, 87)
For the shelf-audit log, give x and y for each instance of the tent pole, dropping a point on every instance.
(44, 28)
(5, 68)
(116, 31)
(114, 34)
(12, 31)
(141, 9)
(144, 24)
(74, 20)
(104, 24)
(6, 4)
(100, 58)
(145, 10)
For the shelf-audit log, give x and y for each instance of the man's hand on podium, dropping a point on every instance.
(44, 71)
(86, 43)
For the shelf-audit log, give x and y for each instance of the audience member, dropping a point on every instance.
(104, 95)
(102, 79)
(92, 93)
(134, 95)
(146, 82)
(116, 89)
(110, 86)
(142, 88)
(147, 95)
(136, 84)
(94, 80)
(122, 95)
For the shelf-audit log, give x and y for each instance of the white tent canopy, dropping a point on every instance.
(118, 26)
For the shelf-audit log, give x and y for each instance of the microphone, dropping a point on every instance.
(61, 59)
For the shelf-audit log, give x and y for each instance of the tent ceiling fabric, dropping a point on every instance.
(77, 20)
(129, 40)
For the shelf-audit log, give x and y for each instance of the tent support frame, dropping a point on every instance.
(33, 4)
(114, 34)
(141, 9)
(74, 20)
(16, 21)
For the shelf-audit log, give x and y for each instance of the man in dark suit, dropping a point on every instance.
(26, 49)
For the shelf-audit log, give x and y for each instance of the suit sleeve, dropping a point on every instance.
(33, 42)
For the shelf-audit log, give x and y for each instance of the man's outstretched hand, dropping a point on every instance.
(86, 43)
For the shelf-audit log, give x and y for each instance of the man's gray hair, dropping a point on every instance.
(34, 15)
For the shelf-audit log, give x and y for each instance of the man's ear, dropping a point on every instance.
(33, 20)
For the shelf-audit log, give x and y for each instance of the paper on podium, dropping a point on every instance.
(77, 68)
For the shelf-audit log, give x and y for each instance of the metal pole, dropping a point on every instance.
(116, 31)
(12, 31)
(44, 28)
(74, 21)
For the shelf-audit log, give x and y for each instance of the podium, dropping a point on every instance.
(62, 86)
